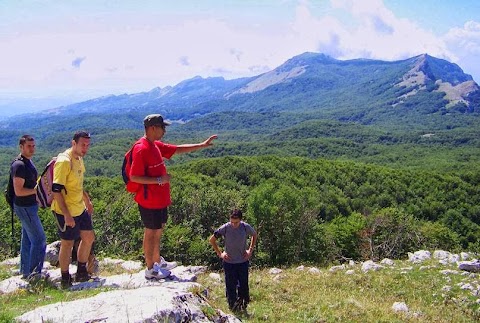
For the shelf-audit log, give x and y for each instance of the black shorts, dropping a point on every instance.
(83, 222)
(153, 218)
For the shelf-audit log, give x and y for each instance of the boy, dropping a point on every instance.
(235, 258)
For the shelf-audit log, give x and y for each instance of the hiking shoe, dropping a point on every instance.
(240, 305)
(156, 273)
(168, 265)
(82, 277)
(66, 283)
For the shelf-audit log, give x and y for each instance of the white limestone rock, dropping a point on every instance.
(441, 254)
(400, 307)
(464, 256)
(388, 262)
(147, 304)
(274, 271)
(470, 266)
(370, 265)
(336, 268)
(11, 261)
(12, 284)
(419, 256)
(132, 265)
(51, 253)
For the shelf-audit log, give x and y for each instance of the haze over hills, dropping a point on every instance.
(422, 93)
(312, 79)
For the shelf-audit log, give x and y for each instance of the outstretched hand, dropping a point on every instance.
(208, 142)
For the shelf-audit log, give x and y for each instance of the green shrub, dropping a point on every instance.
(436, 235)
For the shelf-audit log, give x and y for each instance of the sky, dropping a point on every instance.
(64, 51)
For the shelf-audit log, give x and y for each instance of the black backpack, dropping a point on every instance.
(9, 191)
(130, 186)
(127, 163)
(10, 196)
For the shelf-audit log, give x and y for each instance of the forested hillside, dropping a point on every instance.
(314, 211)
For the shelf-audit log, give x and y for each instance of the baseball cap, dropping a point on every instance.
(154, 120)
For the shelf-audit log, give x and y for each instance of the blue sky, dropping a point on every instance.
(78, 49)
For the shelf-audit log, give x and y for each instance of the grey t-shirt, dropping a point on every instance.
(235, 240)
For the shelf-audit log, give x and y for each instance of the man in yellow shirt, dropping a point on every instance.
(73, 208)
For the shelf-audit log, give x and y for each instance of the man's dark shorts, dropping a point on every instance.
(83, 222)
(153, 218)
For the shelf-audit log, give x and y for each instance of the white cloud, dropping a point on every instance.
(104, 54)
(375, 33)
(465, 42)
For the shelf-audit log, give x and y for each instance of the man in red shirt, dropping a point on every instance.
(153, 194)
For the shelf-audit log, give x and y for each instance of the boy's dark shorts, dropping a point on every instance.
(153, 218)
(83, 222)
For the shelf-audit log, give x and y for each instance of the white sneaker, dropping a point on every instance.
(156, 273)
(168, 265)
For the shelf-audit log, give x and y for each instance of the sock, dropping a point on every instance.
(65, 275)
(81, 267)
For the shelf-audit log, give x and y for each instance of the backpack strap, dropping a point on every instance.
(54, 159)
(70, 158)
(18, 158)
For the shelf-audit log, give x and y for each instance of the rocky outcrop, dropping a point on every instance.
(471, 266)
(269, 79)
(129, 297)
(160, 302)
(447, 77)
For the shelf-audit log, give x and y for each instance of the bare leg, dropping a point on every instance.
(151, 245)
(85, 245)
(65, 254)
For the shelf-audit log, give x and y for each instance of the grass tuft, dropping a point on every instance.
(301, 296)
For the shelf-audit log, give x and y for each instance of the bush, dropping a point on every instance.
(345, 233)
(390, 233)
(436, 235)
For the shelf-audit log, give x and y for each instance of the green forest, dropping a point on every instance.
(307, 210)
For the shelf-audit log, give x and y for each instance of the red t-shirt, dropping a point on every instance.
(148, 161)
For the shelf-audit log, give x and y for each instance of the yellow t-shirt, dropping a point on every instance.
(69, 173)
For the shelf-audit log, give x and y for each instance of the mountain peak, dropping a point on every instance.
(439, 69)
(307, 58)
(428, 71)
(292, 68)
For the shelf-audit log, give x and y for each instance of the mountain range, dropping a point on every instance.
(422, 92)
